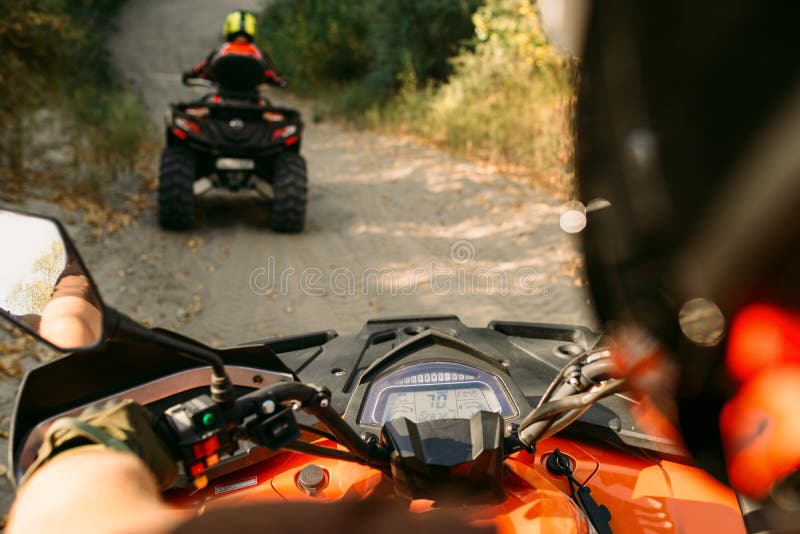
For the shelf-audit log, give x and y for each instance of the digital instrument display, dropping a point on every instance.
(429, 404)
(433, 391)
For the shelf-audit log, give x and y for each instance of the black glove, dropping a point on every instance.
(273, 78)
(187, 75)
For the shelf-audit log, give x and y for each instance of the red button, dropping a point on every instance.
(197, 469)
(206, 448)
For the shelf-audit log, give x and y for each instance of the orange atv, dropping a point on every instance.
(520, 426)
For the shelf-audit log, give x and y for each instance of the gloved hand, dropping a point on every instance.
(274, 79)
(187, 75)
(124, 426)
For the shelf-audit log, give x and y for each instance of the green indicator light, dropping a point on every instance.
(209, 419)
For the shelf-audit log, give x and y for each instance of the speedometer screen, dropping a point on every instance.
(428, 404)
(431, 391)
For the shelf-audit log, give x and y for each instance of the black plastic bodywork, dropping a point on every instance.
(251, 138)
(431, 345)
(451, 459)
(218, 137)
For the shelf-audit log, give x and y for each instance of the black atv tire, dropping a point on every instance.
(290, 188)
(176, 202)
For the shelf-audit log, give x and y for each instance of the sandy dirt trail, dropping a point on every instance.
(384, 216)
(394, 228)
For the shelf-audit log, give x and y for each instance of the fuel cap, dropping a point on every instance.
(312, 479)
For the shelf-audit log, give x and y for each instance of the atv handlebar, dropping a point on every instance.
(190, 79)
(315, 401)
(196, 81)
(199, 430)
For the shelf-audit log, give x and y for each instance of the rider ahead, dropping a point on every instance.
(240, 32)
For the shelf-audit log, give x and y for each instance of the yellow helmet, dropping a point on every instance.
(240, 22)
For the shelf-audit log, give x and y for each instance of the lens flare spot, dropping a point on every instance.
(702, 322)
(573, 217)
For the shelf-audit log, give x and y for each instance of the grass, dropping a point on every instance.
(520, 124)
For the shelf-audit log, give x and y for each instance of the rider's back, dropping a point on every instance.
(238, 67)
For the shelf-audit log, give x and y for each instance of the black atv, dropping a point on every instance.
(235, 139)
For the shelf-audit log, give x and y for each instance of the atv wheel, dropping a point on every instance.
(175, 188)
(290, 187)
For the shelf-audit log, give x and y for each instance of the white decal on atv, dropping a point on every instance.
(225, 488)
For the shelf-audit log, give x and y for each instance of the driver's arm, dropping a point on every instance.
(71, 322)
(91, 490)
(72, 318)
(270, 72)
(201, 69)
(100, 472)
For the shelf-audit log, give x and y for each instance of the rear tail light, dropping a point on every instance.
(187, 125)
(286, 131)
(197, 112)
(271, 116)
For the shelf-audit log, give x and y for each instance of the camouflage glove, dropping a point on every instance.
(125, 426)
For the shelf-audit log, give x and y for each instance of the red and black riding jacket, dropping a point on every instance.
(203, 70)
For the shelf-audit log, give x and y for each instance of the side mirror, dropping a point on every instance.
(45, 289)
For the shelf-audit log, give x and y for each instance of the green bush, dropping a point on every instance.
(509, 101)
(317, 42)
(47, 40)
(362, 50)
(414, 41)
(477, 78)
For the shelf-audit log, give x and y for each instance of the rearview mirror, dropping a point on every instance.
(45, 288)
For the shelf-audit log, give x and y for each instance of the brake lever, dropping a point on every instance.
(275, 428)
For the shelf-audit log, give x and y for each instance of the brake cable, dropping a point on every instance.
(319, 450)
(560, 376)
(541, 422)
(318, 432)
